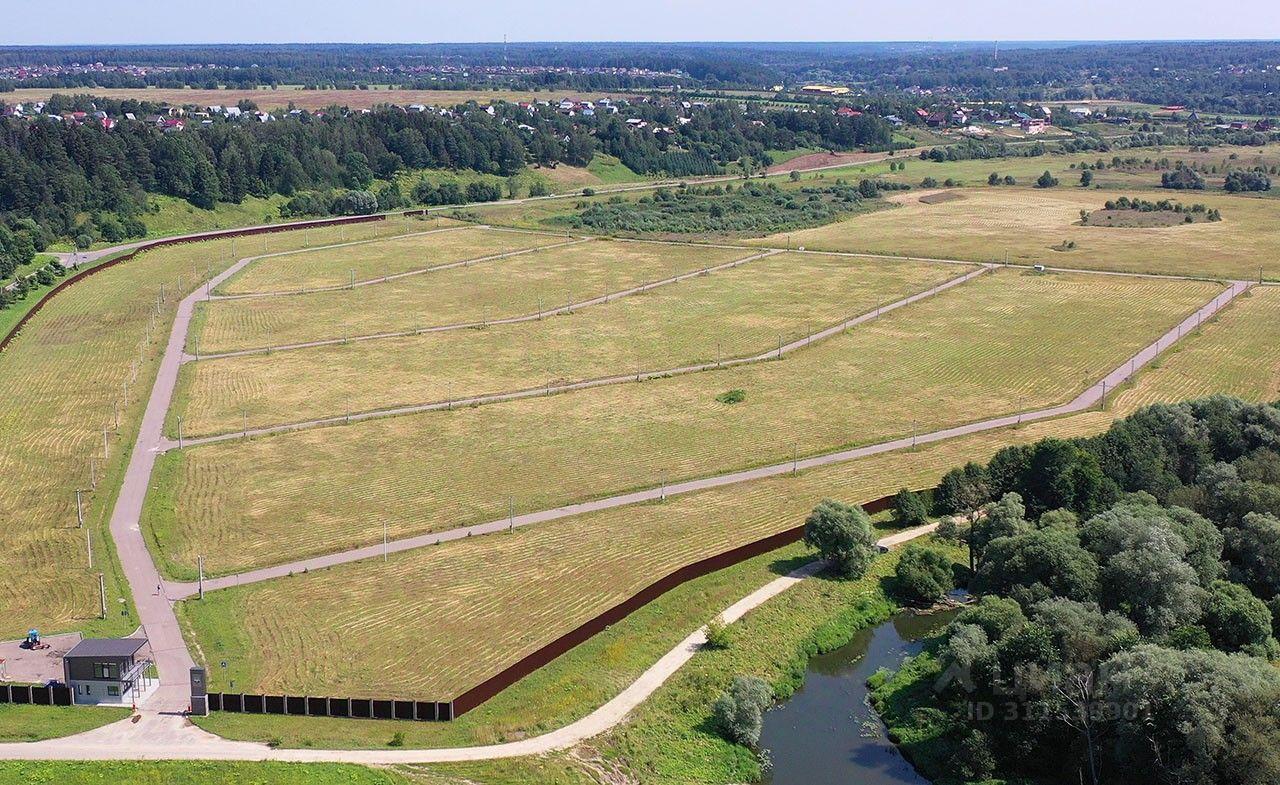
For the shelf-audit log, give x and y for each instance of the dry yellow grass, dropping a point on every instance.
(738, 312)
(1028, 223)
(1006, 341)
(504, 287)
(497, 598)
(333, 266)
(1235, 354)
(59, 382)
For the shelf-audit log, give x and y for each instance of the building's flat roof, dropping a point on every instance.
(107, 647)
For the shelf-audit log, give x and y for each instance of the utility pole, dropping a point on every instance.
(102, 597)
(384, 540)
(79, 511)
(88, 546)
(662, 494)
(93, 473)
(179, 431)
(511, 519)
(200, 580)
(795, 462)
(104, 445)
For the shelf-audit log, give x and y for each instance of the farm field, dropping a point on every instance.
(998, 344)
(506, 287)
(428, 242)
(987, 222)
(61, 381)
(592, 673)
(1235, 354)
(501, 596)
(736, 312)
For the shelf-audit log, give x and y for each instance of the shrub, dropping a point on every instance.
(909, 509)
(842, 535)
(923, 574)
(739, 711)
(732, 396)
(1046, 180)
(719, 634)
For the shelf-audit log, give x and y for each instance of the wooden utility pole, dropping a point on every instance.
(102, 597)
(88, 545)
(79, 511)
(200, 567)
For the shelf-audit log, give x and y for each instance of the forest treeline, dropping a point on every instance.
(80, 180)
(1129, 590)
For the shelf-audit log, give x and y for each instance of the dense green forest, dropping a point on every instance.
(1129, 602)
(753, 208)
(82, 181)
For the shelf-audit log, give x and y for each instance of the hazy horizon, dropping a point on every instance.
(151, 22)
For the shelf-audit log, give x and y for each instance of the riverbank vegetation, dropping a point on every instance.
(1126, 623)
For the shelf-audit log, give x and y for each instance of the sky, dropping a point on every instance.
(28, 22)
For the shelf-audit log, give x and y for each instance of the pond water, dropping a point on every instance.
(827, 733)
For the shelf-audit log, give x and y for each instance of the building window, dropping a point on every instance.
(102, 670)
(84, 689)
(113, 690)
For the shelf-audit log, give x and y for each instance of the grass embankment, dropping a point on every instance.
(36, 723)
(743, 311)
(421, 248)
(61, 381)
(906, 702)
(668, 738)
(513, 286)
(1005, 341)
(1034, 225)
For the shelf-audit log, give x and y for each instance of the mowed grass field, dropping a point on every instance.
(1006, 341)
(445, 618)
(60, 381)
(429, 242)
(988, 222)
(504, 287)
(741, 311)
(1235, 353)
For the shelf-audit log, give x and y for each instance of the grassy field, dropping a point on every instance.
(499, 597)
(35, 723)
(505, 287)
(593, 672)
(1003, 342)
(198, 773)
(1235, 353)
(60, 381)
(738, 312)
(333, 266)
(1027, 224)
(270, 100)
(178, 216)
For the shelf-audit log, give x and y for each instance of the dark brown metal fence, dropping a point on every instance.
(583, 632)
(35, 694)
(366, 708)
